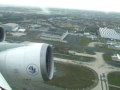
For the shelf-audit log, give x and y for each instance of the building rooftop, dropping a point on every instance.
(109, 33)
(22, 30)
(116, 57)
(11, 24)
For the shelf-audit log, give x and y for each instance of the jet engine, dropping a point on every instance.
(32, 62)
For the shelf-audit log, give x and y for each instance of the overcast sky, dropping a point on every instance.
(97, 5)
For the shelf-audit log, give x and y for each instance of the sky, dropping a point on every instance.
(96, 5)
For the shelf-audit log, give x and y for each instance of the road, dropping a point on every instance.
(86, 55)
(92, 44)
(114, 86)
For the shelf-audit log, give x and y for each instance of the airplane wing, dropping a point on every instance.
(3, 83)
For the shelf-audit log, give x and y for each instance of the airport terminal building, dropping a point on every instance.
(109, 34)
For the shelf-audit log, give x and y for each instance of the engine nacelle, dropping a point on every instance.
(26, 62)
(2, 34)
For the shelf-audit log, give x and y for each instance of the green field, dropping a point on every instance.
(85, 41)
(114, 79)
(113, 88)
(107, 57)
(73, 77)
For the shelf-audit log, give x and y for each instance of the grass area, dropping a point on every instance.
(107, 57)
(90, 52)
(113, 88)
(84, 41)
(73, 77)
(114, 79)
(75, 57)
(104, 48)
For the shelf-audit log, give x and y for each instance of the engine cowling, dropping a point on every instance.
(2, 34)
(26, 62)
